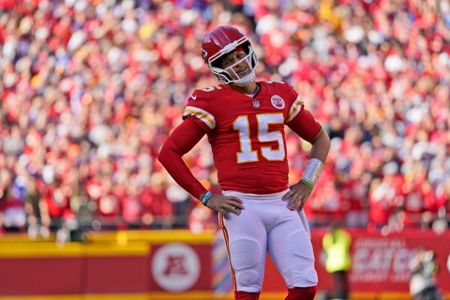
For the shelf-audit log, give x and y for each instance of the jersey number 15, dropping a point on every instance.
(246, 153)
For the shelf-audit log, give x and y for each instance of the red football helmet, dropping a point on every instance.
(221, 41)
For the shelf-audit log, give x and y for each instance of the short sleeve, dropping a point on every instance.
(300, 120)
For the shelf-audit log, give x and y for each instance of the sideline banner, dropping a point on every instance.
(177, 262)
(139, 262)
(379, 263)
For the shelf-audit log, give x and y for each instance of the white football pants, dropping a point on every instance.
(266, 224)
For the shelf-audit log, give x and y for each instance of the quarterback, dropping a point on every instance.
(245, 120)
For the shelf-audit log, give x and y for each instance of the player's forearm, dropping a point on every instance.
(321, 146)
(318, 155)
(177, 168)
(181, 141)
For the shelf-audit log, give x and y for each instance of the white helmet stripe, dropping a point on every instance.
(228, 48)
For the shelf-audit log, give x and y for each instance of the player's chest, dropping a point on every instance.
(251, 110)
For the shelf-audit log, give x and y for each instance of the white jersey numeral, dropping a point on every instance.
(264, 135)
(246, 154)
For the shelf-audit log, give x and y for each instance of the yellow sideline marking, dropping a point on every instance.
(51, 249)
(115, 243)
(154, 236)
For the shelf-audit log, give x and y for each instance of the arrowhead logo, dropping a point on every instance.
(194, 97)
(277, 102)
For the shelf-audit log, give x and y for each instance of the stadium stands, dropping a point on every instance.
(89, 90)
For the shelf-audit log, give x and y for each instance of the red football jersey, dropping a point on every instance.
(247, 133)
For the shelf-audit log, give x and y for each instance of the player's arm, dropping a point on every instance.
(307, 127)
(320, 146)
(180, 142)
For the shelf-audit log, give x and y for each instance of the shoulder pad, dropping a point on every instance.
(199, 106)
(206, 92)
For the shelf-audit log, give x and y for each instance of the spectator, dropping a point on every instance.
(38, 218)
(90, 90)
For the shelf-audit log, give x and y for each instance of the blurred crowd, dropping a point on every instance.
(89, 90)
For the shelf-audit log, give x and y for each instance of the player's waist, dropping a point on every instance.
(251, 196)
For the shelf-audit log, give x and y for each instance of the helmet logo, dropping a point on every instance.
(204, 54)
(256, 103)
(277, 102)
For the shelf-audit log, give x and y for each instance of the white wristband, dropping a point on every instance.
(313, 170)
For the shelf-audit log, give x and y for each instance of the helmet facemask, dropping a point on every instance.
(229, 75)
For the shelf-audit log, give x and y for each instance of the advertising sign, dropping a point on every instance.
(180, 267)
(379, 263)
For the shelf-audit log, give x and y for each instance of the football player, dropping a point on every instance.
(245, 120)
